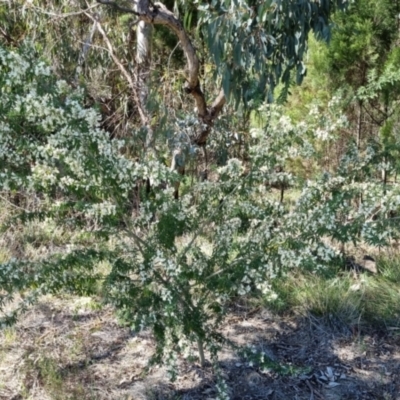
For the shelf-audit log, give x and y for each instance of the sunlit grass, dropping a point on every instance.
(362, 301)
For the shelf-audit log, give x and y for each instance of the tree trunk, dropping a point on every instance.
(150, 13)
(143, 62)
(384, 175)
(201, 352)
(359, 132)
(359, 125)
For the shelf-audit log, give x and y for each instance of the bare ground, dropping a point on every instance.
(66, 349)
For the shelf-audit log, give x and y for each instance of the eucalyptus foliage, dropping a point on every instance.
(172, 265)
(257, 44)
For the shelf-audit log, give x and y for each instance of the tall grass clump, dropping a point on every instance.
(364, 301)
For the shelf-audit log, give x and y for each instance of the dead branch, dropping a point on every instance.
(121, 67)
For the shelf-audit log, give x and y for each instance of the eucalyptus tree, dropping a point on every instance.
(253, 44)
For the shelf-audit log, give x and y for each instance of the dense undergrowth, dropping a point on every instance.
(75, 199)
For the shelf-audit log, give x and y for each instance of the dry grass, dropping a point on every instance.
(349, 300)
(65, 350)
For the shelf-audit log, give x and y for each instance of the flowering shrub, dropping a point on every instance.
(174, 265)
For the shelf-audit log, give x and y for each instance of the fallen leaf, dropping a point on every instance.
(333, 384)
(329, 373)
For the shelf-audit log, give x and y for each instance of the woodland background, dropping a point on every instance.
(199, 199)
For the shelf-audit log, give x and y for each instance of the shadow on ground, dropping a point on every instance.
(62, 350)
(322, 362)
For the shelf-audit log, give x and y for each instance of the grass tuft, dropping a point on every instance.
(363, 301)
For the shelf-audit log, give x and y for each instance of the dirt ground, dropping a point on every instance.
(69, 350)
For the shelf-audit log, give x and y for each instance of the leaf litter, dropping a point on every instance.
(60, 352)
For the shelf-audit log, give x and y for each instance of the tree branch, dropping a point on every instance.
(121, 67)
(158, 14)
(219, 102)
(162, 16)
(9, 39)
(376, 121)
(113, 4)
(64, 15)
